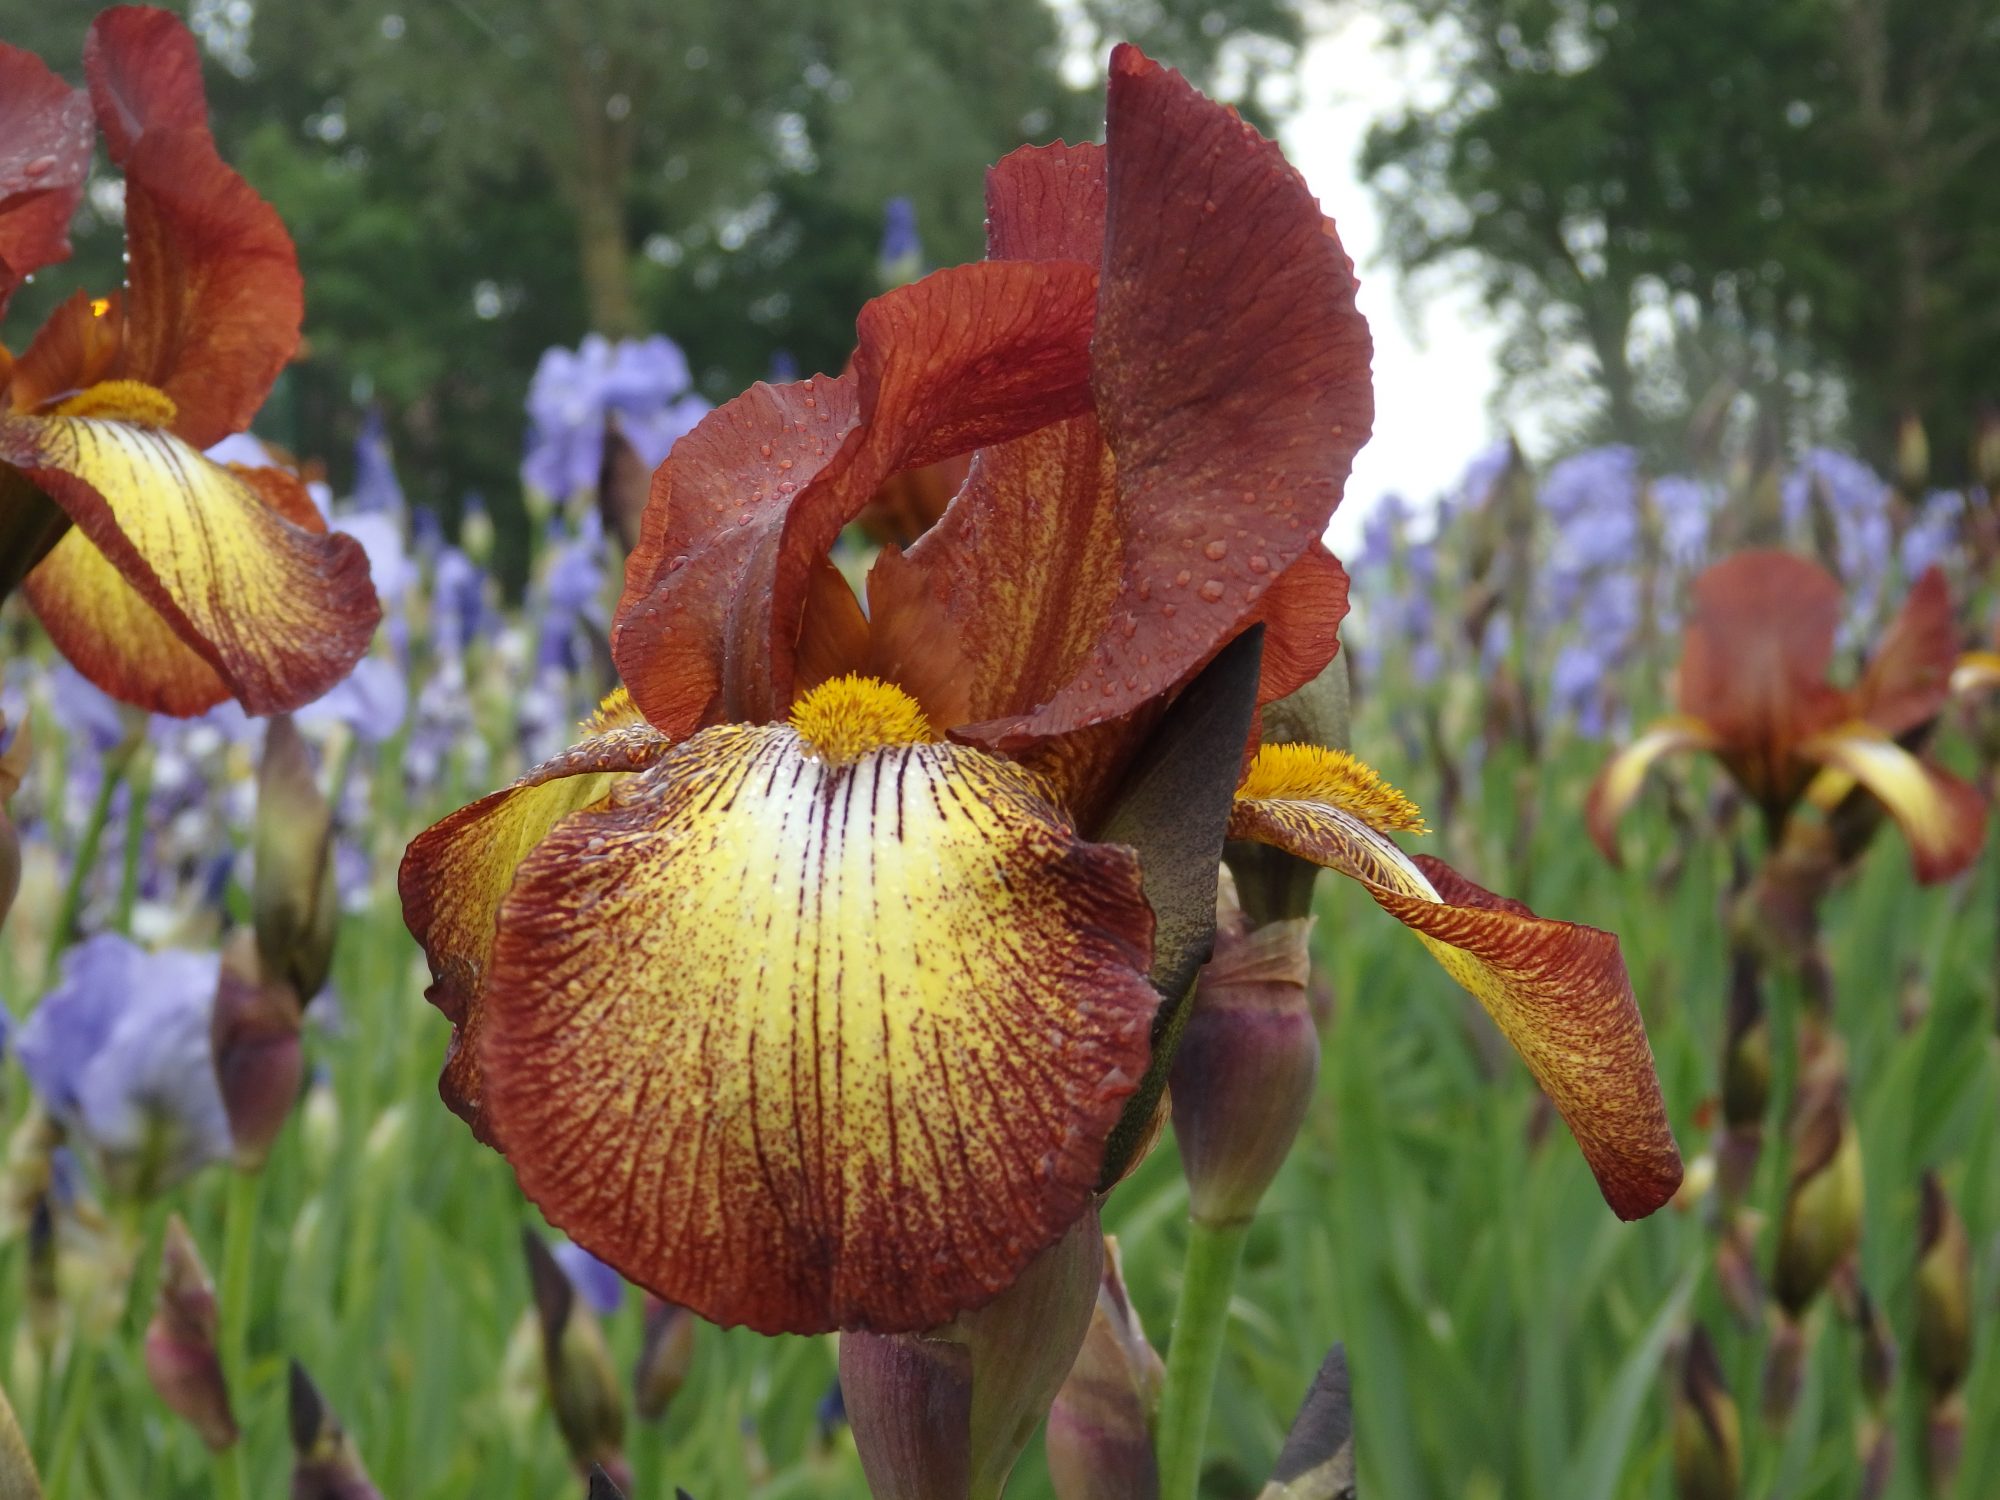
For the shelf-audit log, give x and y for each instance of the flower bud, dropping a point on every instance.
(1317, 1461)
(944, 1415)
(1784, 1369)
(583, 1386)
(665, 1355)
(1707, 1432)
(1822, 1222)
(1944, 1294)
(325, 1465)
(1878, 1349)
(1100, 1437)
(1913, 453)
(295, 898)
(254, 1031)
(319, 1127)
(1944, 1441)
(181, 1361)
(1736, 1269)
(1243, 1077)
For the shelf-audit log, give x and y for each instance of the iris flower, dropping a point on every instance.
(1753, 692)
(802, 991)
(172, 582)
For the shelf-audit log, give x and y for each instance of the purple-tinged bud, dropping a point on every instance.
(604, 1487)
(1878, 1349)
(259, 1062)
(666, 1353)
(583, 1387)
(1243, 1077)
(325, 1464)
(1944, 1441)
(1822, 1221)
(1707, 1431)
(295, 899)
(1875, 1446)
(1317, 1461)
(1944, 1294)
(1784, 1369)
(944, 1415)
(181, 1361)
(1100, 1437)
(1913, 454)
(1736, 1270)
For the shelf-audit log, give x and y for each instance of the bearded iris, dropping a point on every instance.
(171, 581)
(801, 991)
(1753, 692)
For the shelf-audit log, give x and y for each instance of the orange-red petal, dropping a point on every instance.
(807, 1046)
(45, 141)
(1557, 991)
(78, 345)
(144, 71)
(1909, 677)
(1301, 611)
(180, 584)
(1754, 666)
(456, 873)
(1942, 818)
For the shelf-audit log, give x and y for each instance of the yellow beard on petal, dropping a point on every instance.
(845, 718)
(122, 401)
(1313, 773)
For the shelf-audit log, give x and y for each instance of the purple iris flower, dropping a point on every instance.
(1593, 499)
(571, 597)
(598, 1285)
(376, 487)
(87, 715)
(901, 258)
(244, 449)
(784, 367)
(389, 564)
(458, 602)
(1933, 537)
(1845, 491)
(371, 700)
(1685, 506)
(646, 382)
(119, 1053)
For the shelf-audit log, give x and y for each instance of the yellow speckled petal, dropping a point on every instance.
(1942, 818)
(181, 584)
(1557, 991)
(1617, 785)
(806, 1045)
(1976, 672)
(456, 873)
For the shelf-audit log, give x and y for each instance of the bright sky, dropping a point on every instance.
(1434, 371)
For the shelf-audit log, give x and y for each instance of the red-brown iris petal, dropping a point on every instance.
(1301, 611)
(77, 345)
(1909, 677)
(1047, 203)
(747, 504)
(456, 873)
(840, 1046)
(45, 140)
(1754, 666)
(145, 74)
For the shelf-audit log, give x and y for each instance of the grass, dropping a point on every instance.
(1507, 1336)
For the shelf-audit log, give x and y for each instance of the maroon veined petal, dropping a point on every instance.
(1909, 677)
(1230, 371)
(748, 504)
(145, 74)
(45, 140)
(1301, 613)
(1047, 203)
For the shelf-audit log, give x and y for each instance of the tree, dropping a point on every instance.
(1789, 197)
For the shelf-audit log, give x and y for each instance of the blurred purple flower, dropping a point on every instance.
(389, 564)
(88, 716)
(599, 1286)
(458, 602)
(376, 487)
(645, 381)
(1593, 500)
(1856, 500)
(371, 700)
(784, 367)
(571, 596)
(1933, 537)
(242, 448)
(1685, 506)
(119, 1053)
(901, 258)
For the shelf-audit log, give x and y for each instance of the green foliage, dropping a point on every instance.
(1789, 198)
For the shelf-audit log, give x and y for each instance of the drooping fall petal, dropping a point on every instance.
(1909, 677)
(843, 1039)
(45, 140)
(748, 503)
(1557, 991)
(1942, 817)
(1976, 672)
(456, 873)
(180, 584)
(1617, 786)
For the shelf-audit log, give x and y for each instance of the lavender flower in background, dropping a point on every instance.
(572, 599)
(376, 487)
(1934, 534)
(1833, 489)
(1685, 506)
(119, 1053)
(1396, 581)
(93, 721)
(598, 1285)
(1593, 500)
(645, 381)
(784, 367)
(459, 612)
(901, 258)
(245, 449)
(371, 701)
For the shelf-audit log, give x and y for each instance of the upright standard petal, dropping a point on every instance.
(1942, 817)
(144, 71)
(456, 873)
(1557, 991)
(1230, 372)
(843, 1038)
(45, 140)
(1617, 786)
(1909, 676)
(181, 584)
(1755, 662)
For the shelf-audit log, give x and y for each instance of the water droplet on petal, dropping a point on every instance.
(1216, 550)
(39, 167)
(1259, 563)
(1211, 591)
(1181, 578)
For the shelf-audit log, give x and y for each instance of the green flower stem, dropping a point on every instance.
(239, 1238)
(135, 837)
(1200, 1318)
(86, 861)
(79, 1395)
